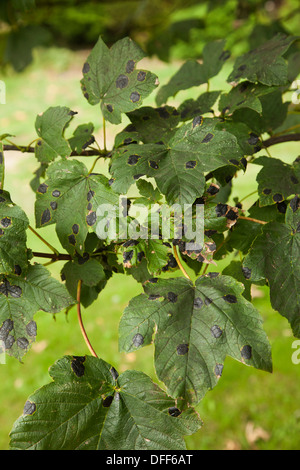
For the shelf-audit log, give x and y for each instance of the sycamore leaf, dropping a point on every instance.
(20, 298)
(111, 79)
(82, 137)
(50, 127)
(70, 198)
(264, 64)
(178, 165)
(275, 256)
(88, 406)
(244, 95)
(196, 327)
(192, 73)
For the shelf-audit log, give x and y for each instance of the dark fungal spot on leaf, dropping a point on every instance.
(91, 218)
(191, 164)
(173, 411)
(138, 340)
(15, 291)
(267, 191)
(89, 206)
(86, 68)
(218, 370)
(140, 256)
(22, 343)
(1, 232)
(295, 203)
(234, 162)
(294, 180)
(42, 188)
(281, 207)
(153, 164)
(122, 81)
(221, 209)
(246, 352)
(153, 280)
(224, 56)
(172, 297)
(53, 205)
(77, 365)
(107, 401)
(141, 76)
(72, 239)
(246, 272)
(213, 189)
(154, 296)
(6, 222)
(278, 197)
(207, 301)
(244, 162)
(253, 139)
(29, 408)
(198, 303)
(182, 349)
(10, 340)
(139, 175)
(127, 256)
(114, 373)
(298, 228)
(232, 214)
(130, 66)
(56, 193)
(17, 270)
(231, 299)
(83, 259)
(90, 195)
(109, 108)
(130, 243)
(110, 182)
(213, 275)
(197, 121)
(207, 138)
(6, 327)
(163, 113)
(75, 229)
(31, 328)
(216, 331)
(135, 97)
(133, 159)
(241, 68)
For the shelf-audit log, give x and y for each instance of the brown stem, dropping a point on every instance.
(278, 139)
(84, 153)
(80, 320)
(53, 256)
(179, 263)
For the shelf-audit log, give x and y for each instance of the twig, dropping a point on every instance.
(179, 263)
(44, 241)
(80, 320)
(253, 220)
(53, 256)
(278, 139)
(84, 153)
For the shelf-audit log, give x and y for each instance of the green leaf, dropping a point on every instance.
(192, 73)
(179, 165)
(196, 326)
(70, 198)
(50, 127)
(277, 180)
(244, 95)
(203, 104)
(275, 256)
(13, 225)
(20, 299)
(264, 64)
(82, 137)
(235, 269)
(89, 407)
(155, 252)
(2, 168)
(111, 79)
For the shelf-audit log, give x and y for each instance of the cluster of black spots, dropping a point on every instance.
(172, 297)
(29, 408)
(230, 298)
(135, 97)
(42, 188)
(173, 411)
(130, 66)
(213, 189)
(31, 328)
(77, 365)
(246, 352)
(6, 222)
(122, 81)
(218, 370)
(182, 349)
(138, 340)
(295, 203)
(246, 272)
(10, 290)
(46, 217)
(91, 218)
(216, 331)
(207, 138)
(133, 159)
(197, 121)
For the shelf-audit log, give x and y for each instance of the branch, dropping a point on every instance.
(53, 256)
(84, 153)
(281, 138)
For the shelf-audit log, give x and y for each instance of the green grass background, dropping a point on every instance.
(248, 409)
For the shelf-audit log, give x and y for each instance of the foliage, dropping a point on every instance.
(165, 156)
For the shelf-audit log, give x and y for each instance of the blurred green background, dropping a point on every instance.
(248, 409)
